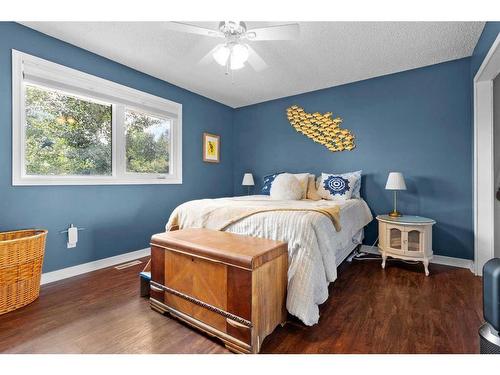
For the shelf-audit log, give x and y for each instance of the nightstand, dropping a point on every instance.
(406, 237)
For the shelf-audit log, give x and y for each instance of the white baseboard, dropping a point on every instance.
(437, 259)
(454, 262)
(64, 273)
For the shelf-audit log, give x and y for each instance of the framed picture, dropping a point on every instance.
(211, 148)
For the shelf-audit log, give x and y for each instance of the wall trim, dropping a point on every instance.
(64, 273)
(436, 259)
(454, 262)
(484, 184)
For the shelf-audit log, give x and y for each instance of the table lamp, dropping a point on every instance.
(395, 182)
(248, 181)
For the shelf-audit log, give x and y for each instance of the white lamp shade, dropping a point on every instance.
(395, 181)
(247, 180)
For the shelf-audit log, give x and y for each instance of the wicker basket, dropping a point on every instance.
(21, 258)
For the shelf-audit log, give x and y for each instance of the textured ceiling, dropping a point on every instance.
(326, 54)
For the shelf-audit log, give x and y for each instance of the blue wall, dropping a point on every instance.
(118, 219)
(417, 122)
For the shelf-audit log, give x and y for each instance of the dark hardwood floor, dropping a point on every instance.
(370, 310)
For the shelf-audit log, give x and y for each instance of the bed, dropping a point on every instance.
(315, 246)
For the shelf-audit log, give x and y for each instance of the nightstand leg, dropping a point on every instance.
(384, 257)
(426, 266)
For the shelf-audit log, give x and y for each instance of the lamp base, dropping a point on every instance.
(395, 214)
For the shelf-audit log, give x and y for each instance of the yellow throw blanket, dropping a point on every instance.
(218, 214)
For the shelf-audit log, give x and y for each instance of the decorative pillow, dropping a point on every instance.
(268, 181)
(312, 192)
(286, 187)
(304, 180)
(356, 189)
(339, 186)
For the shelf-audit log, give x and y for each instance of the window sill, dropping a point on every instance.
(34, 181)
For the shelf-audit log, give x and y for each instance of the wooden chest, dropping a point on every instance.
(230, 286)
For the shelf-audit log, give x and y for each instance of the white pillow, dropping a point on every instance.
(339, 186)
(286, 187)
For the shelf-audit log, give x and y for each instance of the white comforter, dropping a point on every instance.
(312, 244)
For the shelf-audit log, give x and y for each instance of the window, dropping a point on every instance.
(147, 142)
(66, 135)
(71, 128)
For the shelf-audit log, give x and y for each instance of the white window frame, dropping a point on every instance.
(27, 69)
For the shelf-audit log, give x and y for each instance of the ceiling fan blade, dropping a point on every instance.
(279, 32)
(255, 61)
(208, 58)
(192, 29)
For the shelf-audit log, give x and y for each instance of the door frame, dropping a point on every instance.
(484, 184)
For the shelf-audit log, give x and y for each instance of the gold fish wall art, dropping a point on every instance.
(321, 128)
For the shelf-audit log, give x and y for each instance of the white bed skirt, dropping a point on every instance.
(342, 254)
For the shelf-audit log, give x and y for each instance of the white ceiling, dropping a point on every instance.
(326, 54)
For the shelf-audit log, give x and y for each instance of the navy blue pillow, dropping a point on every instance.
(268, 181)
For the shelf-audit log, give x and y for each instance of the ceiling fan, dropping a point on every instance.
(234, 51)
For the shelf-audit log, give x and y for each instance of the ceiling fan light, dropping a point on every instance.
(235, 64)
(239, 53)
(221, 54)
